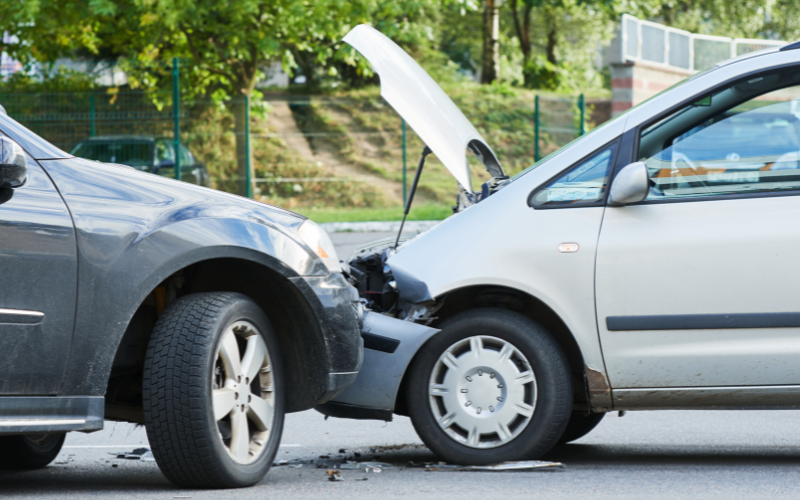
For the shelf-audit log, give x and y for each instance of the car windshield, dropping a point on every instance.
(135, 154)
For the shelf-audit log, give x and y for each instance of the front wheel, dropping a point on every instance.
(492, 386)
(29, 451)
(213, 392)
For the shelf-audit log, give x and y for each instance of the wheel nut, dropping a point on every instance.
(236, 396)
(491, 408)
(492, 375)
(239, 379)
(479, 411)
(468, 403)
(464, 391)
(500, 399)
(480, 373)
(469, 379)
(249, 398)
(500, 386)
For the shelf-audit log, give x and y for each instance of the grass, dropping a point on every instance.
(421, 212)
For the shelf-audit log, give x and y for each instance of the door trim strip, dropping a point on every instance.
(703, 321)
(20, 316)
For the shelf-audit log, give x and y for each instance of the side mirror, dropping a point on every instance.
(13, 164)
(631, 185)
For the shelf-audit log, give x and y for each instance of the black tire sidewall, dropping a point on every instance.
(20, 452)
(192, 329)
(550, 367)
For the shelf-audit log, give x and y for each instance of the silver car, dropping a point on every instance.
(651, 264)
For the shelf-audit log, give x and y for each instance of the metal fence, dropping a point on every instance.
(305, 150)
(658, 44)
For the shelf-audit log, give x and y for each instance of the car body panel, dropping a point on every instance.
(714, 257)
(390, 345)
(421, 102)
(38, 255)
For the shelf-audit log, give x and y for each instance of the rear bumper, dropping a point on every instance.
(339, 312)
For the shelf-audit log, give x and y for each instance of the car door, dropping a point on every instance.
(38, 266)
(699, 284)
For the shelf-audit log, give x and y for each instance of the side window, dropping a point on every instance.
(186, 157)
(740, 140)
(582, 185)
(164, 151)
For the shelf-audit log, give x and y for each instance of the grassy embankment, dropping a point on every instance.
(358, 136)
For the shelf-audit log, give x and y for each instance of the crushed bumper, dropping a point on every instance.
(339, 312)
(389, 346)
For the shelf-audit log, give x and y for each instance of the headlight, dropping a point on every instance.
(319, 241)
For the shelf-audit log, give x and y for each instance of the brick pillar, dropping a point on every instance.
(632, 83)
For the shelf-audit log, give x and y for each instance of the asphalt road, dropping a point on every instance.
(676, 454)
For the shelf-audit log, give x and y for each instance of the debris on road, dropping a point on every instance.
(367, 466)
(142, 454)
(334, 475)
(295, 463)
(505, 466)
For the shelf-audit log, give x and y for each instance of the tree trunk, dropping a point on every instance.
(491, 41)
(552, 39)
(523, 30)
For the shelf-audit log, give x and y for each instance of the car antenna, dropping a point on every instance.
(425, 152)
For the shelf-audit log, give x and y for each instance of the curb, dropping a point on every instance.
(412, 226)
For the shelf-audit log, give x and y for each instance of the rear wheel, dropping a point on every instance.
(580, 424)
(29, 451)
(213, 392)
(493, 386)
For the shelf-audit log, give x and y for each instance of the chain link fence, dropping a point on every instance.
(290, 150)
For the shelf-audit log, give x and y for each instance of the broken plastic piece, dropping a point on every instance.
(374, 466)
(334, 475)
(143, 454)
(505, 466)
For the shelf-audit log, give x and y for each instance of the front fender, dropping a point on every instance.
(134, 230)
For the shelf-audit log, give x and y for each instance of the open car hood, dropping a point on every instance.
(424, 105)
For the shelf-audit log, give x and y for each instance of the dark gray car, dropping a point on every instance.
(133, 297)
(148, 154)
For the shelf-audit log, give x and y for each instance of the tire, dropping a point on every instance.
(521, 392)
(580, 425)
(213, 392)
(29, 451)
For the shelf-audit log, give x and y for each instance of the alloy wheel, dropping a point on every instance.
(243, 392)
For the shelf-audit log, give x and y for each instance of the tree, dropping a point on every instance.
(491, 41)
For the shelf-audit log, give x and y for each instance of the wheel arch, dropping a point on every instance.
(299, 335)
(504, 297)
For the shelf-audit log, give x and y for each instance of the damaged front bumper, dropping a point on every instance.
(389, 346)
(339, 312)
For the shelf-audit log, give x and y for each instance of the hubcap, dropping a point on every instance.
(482, 392)
(243, 395)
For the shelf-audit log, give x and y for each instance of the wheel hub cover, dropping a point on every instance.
(482, 392)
